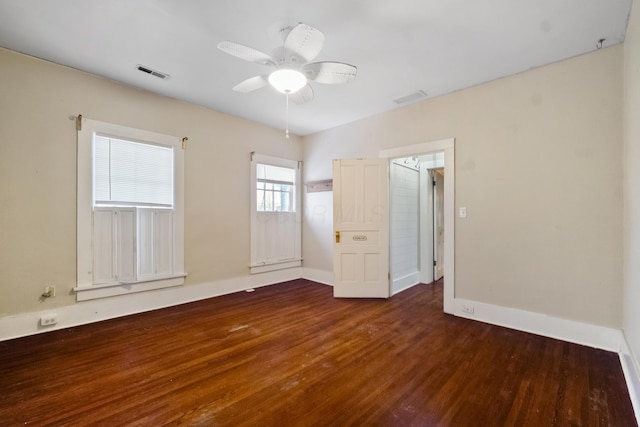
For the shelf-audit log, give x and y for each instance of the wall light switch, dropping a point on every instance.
(462, 212)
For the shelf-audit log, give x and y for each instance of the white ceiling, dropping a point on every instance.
(399, 47)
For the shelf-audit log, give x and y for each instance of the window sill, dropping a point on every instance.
(276, 265)
(89, 292)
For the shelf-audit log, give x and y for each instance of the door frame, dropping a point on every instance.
(436, 202)
(448, 147)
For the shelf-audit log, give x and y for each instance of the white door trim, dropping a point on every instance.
(448, 147)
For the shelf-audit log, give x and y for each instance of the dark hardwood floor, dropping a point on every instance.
(291, 355)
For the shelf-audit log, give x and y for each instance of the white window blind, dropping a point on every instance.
(132, 173)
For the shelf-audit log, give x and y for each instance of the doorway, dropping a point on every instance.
(446, 149)
(416, 217)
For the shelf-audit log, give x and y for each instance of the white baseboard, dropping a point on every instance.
(320, 276)
(405, 282)
(541, 324)
(102, 309)
(81, 313)
(631, 375)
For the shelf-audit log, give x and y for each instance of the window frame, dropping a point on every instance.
(259, 265)
(86, 289)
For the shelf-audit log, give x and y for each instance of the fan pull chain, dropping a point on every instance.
(286, 132)
(284, 50)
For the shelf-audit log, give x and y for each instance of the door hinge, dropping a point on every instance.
(79, 122)
(389, 276)
(435, 262)
(184, 143)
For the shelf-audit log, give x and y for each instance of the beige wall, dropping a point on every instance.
(38, 176)
(631, 324)
(539, 168)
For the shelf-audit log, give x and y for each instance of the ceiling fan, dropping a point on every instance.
(293, 71)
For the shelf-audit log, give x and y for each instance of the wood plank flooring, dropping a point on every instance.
(291, 355)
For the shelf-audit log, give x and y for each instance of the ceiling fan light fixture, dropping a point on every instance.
(287, 81)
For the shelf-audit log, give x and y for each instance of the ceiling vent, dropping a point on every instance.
(411, 98)
(147, 70)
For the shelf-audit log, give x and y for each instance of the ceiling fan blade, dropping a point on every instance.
(302, 96)
(305, 41)
(330, 72)
(251, 84)
(245, 52)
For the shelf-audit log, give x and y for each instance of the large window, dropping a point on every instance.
(130, 210)
(275, 214)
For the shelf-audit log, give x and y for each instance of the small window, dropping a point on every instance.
(275, 188)
(275, 214)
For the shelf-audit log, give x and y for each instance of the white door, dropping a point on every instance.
(438, 223)
(361, 228)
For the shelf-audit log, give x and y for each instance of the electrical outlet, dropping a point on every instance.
(48, 319)
(467, 309)
(49, 291)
